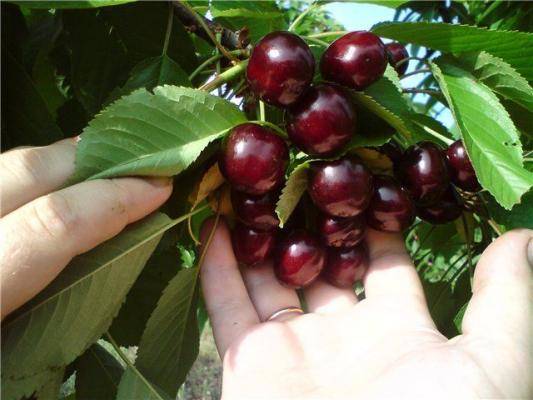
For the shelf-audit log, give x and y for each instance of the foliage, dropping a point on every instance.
(127, 76)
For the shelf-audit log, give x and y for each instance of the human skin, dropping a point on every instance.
(383, 347)
(42, 227)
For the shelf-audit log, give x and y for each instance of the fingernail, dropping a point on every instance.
(77, 139)
(162, 181)
(530, 253)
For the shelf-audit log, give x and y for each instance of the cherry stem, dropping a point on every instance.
(209, 32)
(327, 34)
(317, 41)
(169, 29)
(300, 17)
(407, 59)
(422, 91)
(262, 114)
(211, 60)
(278, 130)
(418, 71)
(225, 76)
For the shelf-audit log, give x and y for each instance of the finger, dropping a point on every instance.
(324, 298)
(41, 237)
(501, 299)
(267, 294)
(30, 172)
(230, 310)
(391, 272)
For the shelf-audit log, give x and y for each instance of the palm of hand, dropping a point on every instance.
(385, 346)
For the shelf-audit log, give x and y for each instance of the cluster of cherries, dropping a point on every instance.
(321, 120)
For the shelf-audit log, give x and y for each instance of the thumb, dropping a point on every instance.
(501, 301)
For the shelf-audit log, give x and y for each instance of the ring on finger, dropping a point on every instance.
(285, 312)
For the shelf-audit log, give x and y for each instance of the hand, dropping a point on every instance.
(41, 229)
(383, 347)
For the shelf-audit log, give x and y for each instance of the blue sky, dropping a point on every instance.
(360, 16)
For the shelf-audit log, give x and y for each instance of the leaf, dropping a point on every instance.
(98, 374)
(179, 122)
(53, 385)
(170, 342)
(520, 216)
(488, 133)
(142, 26)
(516, 48)
(77, 307)
(26, 119)
(65, 4)
(458, 319)
(210, 181)
(134, 386)
(499, 76)
(295, 187)
(433, 130)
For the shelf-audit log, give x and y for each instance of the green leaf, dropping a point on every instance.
(142, 26)
(516, 48)
(385, 3)
(53, 385)
(520, 216)
(135, 386)
(458, 319)
(499, 76)
(65, 4)
(295, 187)
(170, 342)
(153, 134)
(491, 139)
(98, 374)
(26, 119)
(434, 130)
(77, 307)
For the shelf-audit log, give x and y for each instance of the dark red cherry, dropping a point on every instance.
(254, 159)
(391, 208)
(299, 259)
(252, 246)
(345, 266)
(397, 52)
(422, 170)
(257, 212)
(340, 188)
(461, 170)
(323, 121)
(280, 68)
(391, 150)
(355, 60)
(447, 209)
(341, 232)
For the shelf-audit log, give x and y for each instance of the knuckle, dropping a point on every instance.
(55, 216)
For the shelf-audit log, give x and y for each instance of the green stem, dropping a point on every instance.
(169, 29)
(278, 130)
(202, 23)
(419, 71)
(262, 114)
(317, 41)
(407, 59)
(327, 34)
(131, 366)
(210, 61)
(300, 17)
(422, 91)
(226, 76)
(434, 133)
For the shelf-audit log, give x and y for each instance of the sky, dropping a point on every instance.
(360, 16)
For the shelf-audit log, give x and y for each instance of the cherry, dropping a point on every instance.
(423, 171)
(341, 232)
(257, 212)
(391, 150)
(299, 259)
(397, 52)
(254, 159)
(345, 266)
(323, 121)
(448, 209)
(355, 60)
(391, 208)
(461, 170)
(280, 68)
(340, 188)
(252, 246)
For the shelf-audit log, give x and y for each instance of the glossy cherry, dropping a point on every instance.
(299, 259)
(422, 170)
(340, 188)
(323, 121)
(460, 167)
(345, 266)
(252, 246)
(355, 60)
(397, 52)
(341, 232)
(391, 208)
(447, 209)
(257, 212)
(280, 68)
(254, 159)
